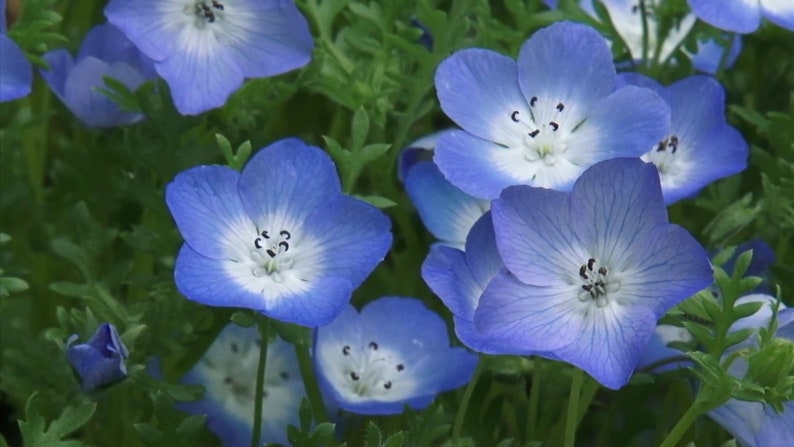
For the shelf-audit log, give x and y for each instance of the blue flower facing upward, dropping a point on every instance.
(542, 120)
(743, 16)
(279, 238)
(204, 49)
(228, 373)
(105, 52)
(100, 361)
(394, 353)
(588, 273)
(446, 211)
(699, 147)
(16, 74)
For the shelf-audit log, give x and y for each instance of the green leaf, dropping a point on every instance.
(377, 201)
(360, 128)
(10, 285)
(36, 434)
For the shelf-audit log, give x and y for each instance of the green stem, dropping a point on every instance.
(310, 383)
(572, 416)
(684, 423)
(263, 323)
(534, 399)
(464, 404)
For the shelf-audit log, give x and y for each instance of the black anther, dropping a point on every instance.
(265, 235)
(387, 385)
(590, 263)
(271, 253)
(257, 243)
(554, 125)
(534, 133)
(285, 234)
(284, 375)
(661, 146)
(354, 376)
(217, 5)
(587, 287)
(533, 101)
(602, 270)
(346, 350)
(284, 245)
(514, 116)
(227, 380)
(400, 367)
(582, 272)
(373, 345)
(560, 106)
(234, 348)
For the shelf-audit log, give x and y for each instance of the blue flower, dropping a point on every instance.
(589, 272)
(709, 53)
(699, 147)
(100, 361)
(743, 16)
(756, 424)
(228, 373)
(394, 353)
(16, 74)
(447, 212)
(105, 52)
(419, 150)
(280, 238)
(205, 49)
(543, 120)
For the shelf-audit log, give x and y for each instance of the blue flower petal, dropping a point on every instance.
(469, 335)
(528, 317)
(354, 237)
(697, 104)
(625, 124)
(61, 63)
(478, 167)
(737, 16)
(287, 179)
(755, 424)
(446, 211)
(630, 205)
(780, 13)
(567, 61)
(709, 53)
(479, 90)
(446, 370)
(16, 74)
(147, 26)
(100, 361)
(281, 36)
(448, 275)
(609, 347)
(396, 318)
(108, 43)
(206, 206)
(534, 235)
(95, 109)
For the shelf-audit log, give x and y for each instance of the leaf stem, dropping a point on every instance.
(684, 423)
(464, 404)
(310, 383)
(572, 416)
(534, 398)
(263, 324)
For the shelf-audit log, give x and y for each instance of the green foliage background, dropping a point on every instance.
(87, 237)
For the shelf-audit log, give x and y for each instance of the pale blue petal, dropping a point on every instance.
(354, 237)
(108, 43)
(661, 268)
(534, 235)
(662, 357)
(288, 177)
(709, 53)
(408, 325)
(755, 424)
(82, 96)
(446, 211)
(779, 12)
(479, 90)
(609, 343)
(638, 80)
(16, 74)
(146, 25)
(419, 150)
(697, 104)
(566, 61)
(740, 16)
(208, 211)
(478, 167)
(625, 124)
(446, 370)
(528, 317)
(473, 339)
(276, 42)
(61, 63)
(614, 206)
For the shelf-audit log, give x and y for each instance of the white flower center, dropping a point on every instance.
(205, 12)
(372, 371)
(663, 155)
(270, 255)
(544, 139)
(595, 284)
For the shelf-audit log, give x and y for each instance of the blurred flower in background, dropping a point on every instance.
(395, 352)
(16, 74)
(100, 361)
(105, 52)
(205, 49)
(744, 16)
(228, 373)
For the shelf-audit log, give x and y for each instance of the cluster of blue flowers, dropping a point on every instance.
(548, 203)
